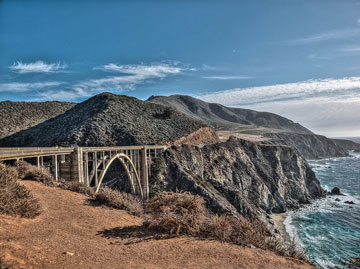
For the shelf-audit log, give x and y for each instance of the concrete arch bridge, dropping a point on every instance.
(90, 165)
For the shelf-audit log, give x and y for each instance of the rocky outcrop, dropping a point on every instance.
(108, 120)
(310, 145)
(347, 144)
(240, 177)
(203, 136)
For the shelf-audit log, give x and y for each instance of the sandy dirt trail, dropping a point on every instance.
(72, 232)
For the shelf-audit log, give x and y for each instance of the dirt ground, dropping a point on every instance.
(73, 232)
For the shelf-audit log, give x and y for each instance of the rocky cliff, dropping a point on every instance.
(240, 177)
(312, 146)
(347, 144)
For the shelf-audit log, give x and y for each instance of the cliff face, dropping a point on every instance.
(312, 146)
(240, 177)
(204, 135)
(347, 144)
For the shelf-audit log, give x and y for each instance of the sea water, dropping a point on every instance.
(329, 229)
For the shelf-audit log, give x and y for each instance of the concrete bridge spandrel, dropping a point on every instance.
(88, 165)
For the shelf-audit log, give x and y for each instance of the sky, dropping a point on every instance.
(296, 58)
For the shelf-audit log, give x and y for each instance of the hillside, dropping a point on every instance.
(108, 119)
(227, 118)
(258, 127)
(17, 116)
(71, 232)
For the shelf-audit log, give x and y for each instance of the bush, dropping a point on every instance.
(15, 199)
(176, 213)
(76, 186)
(28, 171)
(115, 199)
(184, 213)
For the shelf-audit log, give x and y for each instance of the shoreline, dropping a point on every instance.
(278, 220)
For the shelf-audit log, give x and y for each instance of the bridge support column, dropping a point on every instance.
(77, 165)
(144, 174)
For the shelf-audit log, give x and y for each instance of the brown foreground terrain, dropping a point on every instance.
(73, 232)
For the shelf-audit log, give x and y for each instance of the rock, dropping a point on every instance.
(271, 222)
(337, 200)
(268, 216)
(68, 253)
(241, 177)
(349, 202)
(335, 191)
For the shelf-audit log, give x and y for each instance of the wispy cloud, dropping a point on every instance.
(262, 94)
(227, 77)
(354, 48)
(26, 87)
(37, 67)
(127, 78)
(320, 37)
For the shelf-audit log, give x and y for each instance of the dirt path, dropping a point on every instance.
(72, 233)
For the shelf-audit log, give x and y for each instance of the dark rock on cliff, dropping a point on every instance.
(17, 116)
(310, 145)
(106, 120)
(238, 176)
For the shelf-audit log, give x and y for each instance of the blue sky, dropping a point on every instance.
(298, 58)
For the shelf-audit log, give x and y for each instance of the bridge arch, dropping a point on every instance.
(121, 157)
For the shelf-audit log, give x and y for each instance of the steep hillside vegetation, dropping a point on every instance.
(108, 119)
(222, 117)
(241, 177)
(17, 116)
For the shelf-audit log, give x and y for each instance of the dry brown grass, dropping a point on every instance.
(115, 199)
(15, 199)
(176, 213)
(28, 171)
(76, 186)
(184, 213)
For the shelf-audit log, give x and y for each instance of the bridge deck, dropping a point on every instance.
(32, 152)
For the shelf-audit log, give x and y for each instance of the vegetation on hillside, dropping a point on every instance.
(17, 116)
(15, 199)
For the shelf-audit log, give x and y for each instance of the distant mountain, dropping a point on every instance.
(227, 118)
(108, 119)
(17, 116)
(258, 126)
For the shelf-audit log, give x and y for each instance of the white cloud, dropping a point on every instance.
(25, 87)
(327, 106)
(355, 48)
(126, 78)
(242, 96)
(320, 37)
(37, 67)
(227, 77)
(129, 76)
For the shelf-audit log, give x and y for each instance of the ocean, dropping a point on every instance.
(329, 229)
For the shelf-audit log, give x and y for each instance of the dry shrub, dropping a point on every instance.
(184, 213)
(15, 199)
(176, 213)
(115, 199)
(28, 171)
(76, 186)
